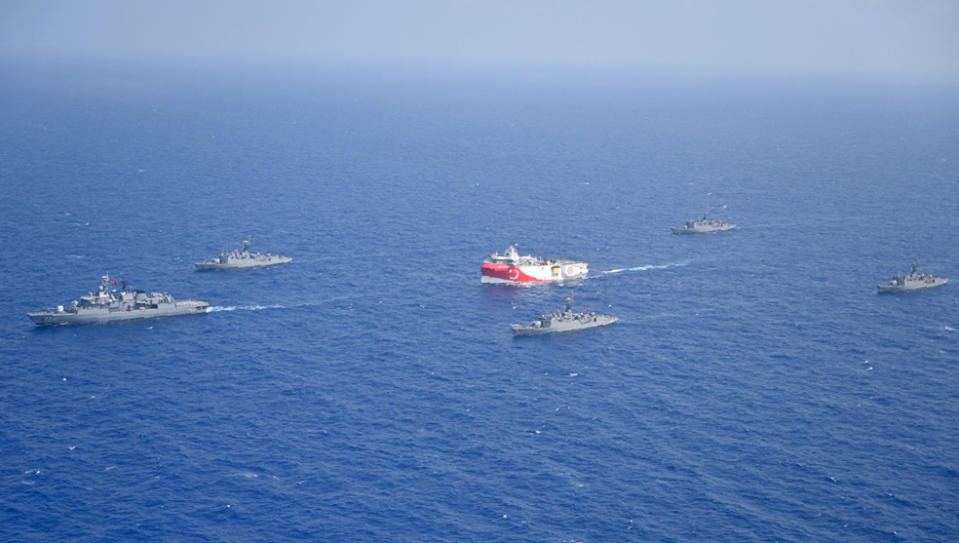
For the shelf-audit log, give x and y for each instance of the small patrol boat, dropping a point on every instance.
(511, 268)
(242, 258)
(904, 282)
(563, 321)
(108, 305)
(703, 226)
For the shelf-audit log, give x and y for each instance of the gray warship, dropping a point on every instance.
(108, 305)
(904, 282)
(703, 226)
(242, 258)
(563, 321)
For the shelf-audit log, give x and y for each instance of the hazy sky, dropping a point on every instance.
(885, 39)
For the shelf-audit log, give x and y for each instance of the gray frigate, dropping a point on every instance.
(703, 226)
(904, 282)
(108, 305)
(242, 258)
(563, 321)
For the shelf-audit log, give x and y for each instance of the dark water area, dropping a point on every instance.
(755, 388)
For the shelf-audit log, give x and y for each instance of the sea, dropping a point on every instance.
(755, 388)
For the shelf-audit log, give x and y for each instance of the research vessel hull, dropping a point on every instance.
(511, 269)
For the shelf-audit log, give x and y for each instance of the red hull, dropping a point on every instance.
(506, 272)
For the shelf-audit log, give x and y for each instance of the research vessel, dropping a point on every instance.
(511, 268)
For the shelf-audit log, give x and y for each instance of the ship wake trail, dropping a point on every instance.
(648, 267)
(217, 308)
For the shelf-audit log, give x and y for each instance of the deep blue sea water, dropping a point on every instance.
(756, 387)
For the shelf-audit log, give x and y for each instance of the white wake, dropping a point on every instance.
(216, 308)
(648, 267)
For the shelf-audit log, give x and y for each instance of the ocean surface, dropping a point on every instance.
(756, 387)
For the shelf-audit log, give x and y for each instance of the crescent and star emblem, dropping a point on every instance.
(513, 274)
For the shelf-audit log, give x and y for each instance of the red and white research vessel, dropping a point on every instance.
(510, 268)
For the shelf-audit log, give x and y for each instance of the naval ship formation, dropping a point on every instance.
(510, 268)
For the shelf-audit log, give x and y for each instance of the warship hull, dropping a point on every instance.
(99, 315)
(909, 286)
(557, 327)
(243, 264)
(503, 273)
(702, 230)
